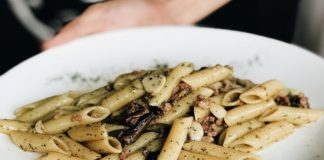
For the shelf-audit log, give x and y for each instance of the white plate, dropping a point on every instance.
(78, 65)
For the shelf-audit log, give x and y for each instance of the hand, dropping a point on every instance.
(117, 14)
(111, 15)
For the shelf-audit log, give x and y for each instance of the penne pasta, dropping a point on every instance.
(82, 117)
(78, 150)
(141, 142)
(84, 99)
(136, 156)
(94, 100)
(210, 149)
(297, 116)
(185, 155)
(125, 79)
(232, 98)
(58, 156)
(45, 108)
(39, 143)
(183, 106)
(64, 110)
(261, 137)
(216, 87)
(107, 145)
(207, 76)
(122, 97)
(114, 127)
(165, 114)
(111, 157)
(234, 132)
(7, 126)
(176, 138)
(171, 82)
(217, 99)
(247, 112)
(262, 92)
(31, 106)
(88, 133)
(154, 145)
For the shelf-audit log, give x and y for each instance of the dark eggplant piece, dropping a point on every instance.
(135, 112)
(132, 134)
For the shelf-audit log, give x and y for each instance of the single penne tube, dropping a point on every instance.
(117, 112)
(176, 138)
(183, 106)
(107, 145)
(114, 127)
(234, 132)
(247, 112)
(207, 76)
(136, 156)
(7, 126)
(78, 150)
(38, 128)
(141, 142)
(172, 80)
(88, 133)
(294, 115)
(125, 79)
(232, 98)
(84, 98)
(85, 116)
(45, 108)
(64, 110)
(29, 107)
(154, 145)
(216, 87)
(39, 143)
(95, 100)
(200, 113)
(262, 92)
(113, 156)
(58, 156)
(122, 97)
(185, 155)
(217, 99)
(210, 149)
(261, 137)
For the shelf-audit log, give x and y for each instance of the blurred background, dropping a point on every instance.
(27, 23)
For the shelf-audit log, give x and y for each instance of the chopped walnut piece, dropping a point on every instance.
(181, 90)
(165, 107)
(76, 118)
(202, 102)
(219, 122)
(210, 126)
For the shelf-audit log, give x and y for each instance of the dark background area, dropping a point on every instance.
(271, 18)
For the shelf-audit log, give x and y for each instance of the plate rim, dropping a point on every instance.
(52, 51)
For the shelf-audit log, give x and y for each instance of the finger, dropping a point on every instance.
(66, 34)
(73, 31)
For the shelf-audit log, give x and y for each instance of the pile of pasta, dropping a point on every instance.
(165, 114)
